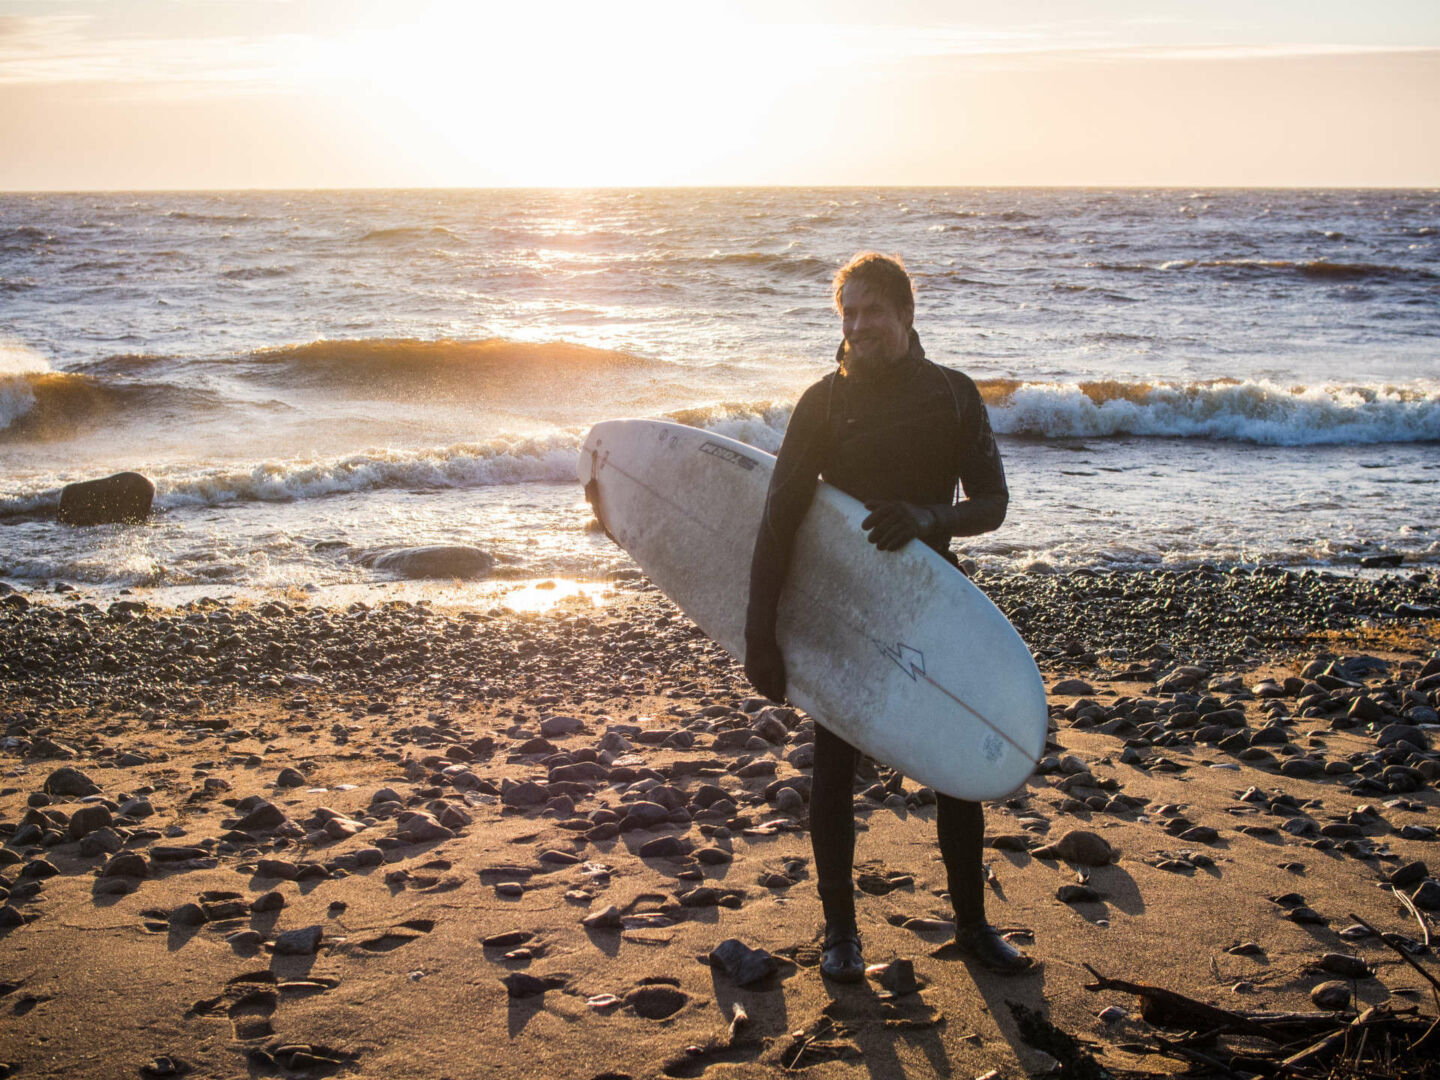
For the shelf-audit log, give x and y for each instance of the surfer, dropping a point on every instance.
(904, 436)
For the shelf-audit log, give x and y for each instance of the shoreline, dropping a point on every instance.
(362, 840)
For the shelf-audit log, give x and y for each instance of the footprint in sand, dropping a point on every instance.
(402, 934)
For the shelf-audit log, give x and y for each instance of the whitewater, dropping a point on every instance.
(1226, 377)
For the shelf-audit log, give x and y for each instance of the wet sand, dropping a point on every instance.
(270, 840)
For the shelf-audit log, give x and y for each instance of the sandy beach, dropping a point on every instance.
(273, 840)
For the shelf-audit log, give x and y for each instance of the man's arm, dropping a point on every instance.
(792, 487)
(982, 477)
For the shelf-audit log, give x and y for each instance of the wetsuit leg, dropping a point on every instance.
(961, 828)
(832, 825)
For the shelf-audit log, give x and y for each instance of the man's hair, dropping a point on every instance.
(885, 274)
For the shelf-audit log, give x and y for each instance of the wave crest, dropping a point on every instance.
(406, 364)
(1228, 410)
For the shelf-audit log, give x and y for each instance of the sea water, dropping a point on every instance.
(1177, 377)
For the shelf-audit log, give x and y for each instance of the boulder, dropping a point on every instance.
(436, 561)
(124, 497)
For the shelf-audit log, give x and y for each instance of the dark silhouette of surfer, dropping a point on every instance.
(905, 436)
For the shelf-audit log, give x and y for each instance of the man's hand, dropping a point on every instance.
(765, 668)
(892, 524)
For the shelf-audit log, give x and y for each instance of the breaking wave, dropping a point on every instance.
(1226, 410)
(1317, 269)
(62, 404)
(407, 364)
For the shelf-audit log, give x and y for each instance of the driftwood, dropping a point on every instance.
(1165, 1008)
(1384, 1042)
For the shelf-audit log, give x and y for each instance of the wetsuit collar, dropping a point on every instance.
(902, 368)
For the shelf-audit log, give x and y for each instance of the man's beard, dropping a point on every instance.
(866, 362)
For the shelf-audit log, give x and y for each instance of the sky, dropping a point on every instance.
(183, 94)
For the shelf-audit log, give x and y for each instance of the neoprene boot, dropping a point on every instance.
(982, 942)
(842, 960)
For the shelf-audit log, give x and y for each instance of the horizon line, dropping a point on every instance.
(713, 187)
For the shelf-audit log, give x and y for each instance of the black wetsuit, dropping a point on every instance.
(910, 433)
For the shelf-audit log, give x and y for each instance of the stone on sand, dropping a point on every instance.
(1079, 846)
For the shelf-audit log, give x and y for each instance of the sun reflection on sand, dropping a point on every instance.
(537, 597)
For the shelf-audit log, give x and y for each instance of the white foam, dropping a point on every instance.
(1253, 411)
(18, 364)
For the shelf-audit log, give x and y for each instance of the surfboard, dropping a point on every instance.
(896, 652)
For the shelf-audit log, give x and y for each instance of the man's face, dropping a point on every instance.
(877, 334)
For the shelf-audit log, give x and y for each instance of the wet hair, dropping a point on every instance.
(886, 274)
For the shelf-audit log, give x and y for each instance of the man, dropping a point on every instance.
(897, 432)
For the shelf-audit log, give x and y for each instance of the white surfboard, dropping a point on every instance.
(896, 652)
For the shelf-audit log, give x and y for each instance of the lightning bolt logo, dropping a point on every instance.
(910, 661)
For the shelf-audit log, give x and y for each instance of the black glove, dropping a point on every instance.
(892, 524)
(765, 668)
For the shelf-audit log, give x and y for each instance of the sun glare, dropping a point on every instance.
(577, 95)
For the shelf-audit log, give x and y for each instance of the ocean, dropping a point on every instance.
(1231, 377)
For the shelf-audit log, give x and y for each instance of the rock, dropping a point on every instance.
(87, 820)
(1302, 767)
(421, 827)
(1076, 894)
(898, 977)
(1079, 846)
(437, 561)
(554, 726)
(103, 841)
(127, 864)
(608, 918)
(302, 942)
(188, 915)
(1391, 734)
(714, 856)
(137, 808)
(1407, 875)
(1345, 965)
(245, 941)
(277, 868)
(265, 817)
(644, 815)
(787, 799)
(663, 847)
(521, 985)
(1072, 688)
(1427, 896)
(1331, 995)
(1011, 842)
(69, 781)
(526, 794)
(123, 497)
(742, 964)
(290, 778)
(270, 901)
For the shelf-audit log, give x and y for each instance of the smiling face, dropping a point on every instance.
(877, 332)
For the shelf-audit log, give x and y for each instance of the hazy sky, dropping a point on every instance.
(107, 94)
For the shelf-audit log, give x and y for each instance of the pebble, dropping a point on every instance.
(302, 942)
(1331, 995)
(742, 964)
(1081, 847)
